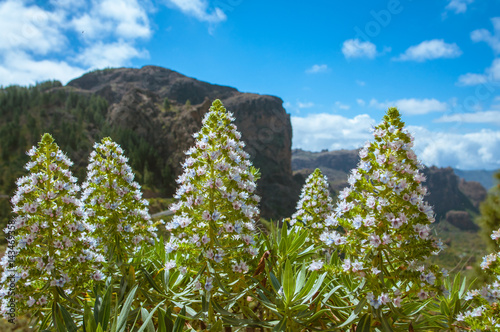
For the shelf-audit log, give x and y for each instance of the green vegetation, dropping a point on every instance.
(76, 121)
(489, 220)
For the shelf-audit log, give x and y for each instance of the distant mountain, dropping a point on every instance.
(447, 191)
(482, 176)
(152, 112)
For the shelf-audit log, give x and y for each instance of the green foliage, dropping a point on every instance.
(489, 219)
(74, 120)
(167, 104)
(216, 271)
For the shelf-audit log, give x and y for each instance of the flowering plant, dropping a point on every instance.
(212, 233)
(314, 206)
(114, 206)
(381, 224)
(485, 314)
(54, 257)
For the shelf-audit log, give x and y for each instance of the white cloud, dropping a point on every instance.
(458, 6)
(360, 102)
(354, 48)
(20, 68)
(490, 117)
(317, 69)
(199, 10)
(476, 150)
(34, 45)
(338, 104)
(492, 39)
(360, 83)
(412, 106)
(305, 105)
(29, 28)
(101, 55)
(316, 132)
(430, 50)
(118, 18)
(471, 79)
(492, 74)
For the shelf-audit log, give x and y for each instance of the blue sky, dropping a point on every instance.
(337, 65)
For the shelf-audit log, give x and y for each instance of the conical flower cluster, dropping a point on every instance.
(49, 232)
(485, 316)
(385, 220)
(113, 203)
(214, 222)
(315, 205)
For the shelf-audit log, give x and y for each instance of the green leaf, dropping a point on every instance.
(152, 282)
(274, 282)
(281, 326)
(146, 318)
(288, 282)
(106, 308)
(298, 241)
(122, 319)
(162, 327)
(315, 288)
(149, 325)
(301, 277)
(445, 310)
(385, 323)
(364, 324)
(316, 316)
(217, 327)
(354, 313)
(220, 309)
(68, 321)
(179, 321)
(88, 318)
(56, 318)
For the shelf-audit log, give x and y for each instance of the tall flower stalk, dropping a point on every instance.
(114, 205)
(315, 205)
(485, 315)
(213, 229)
(54, 254)
(382, 223)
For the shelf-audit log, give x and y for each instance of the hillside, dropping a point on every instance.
(152, 112)
(460, 195)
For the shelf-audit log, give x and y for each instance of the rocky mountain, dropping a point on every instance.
(442, 183)
(153, 112)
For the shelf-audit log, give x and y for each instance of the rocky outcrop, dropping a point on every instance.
(461, 220)
(137, 96)
(474, 191)
(447, 191)
(445, 194)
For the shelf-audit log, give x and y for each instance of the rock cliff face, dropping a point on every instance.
(137, 102)
(447, 191)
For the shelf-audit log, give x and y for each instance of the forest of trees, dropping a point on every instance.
(76, 121)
